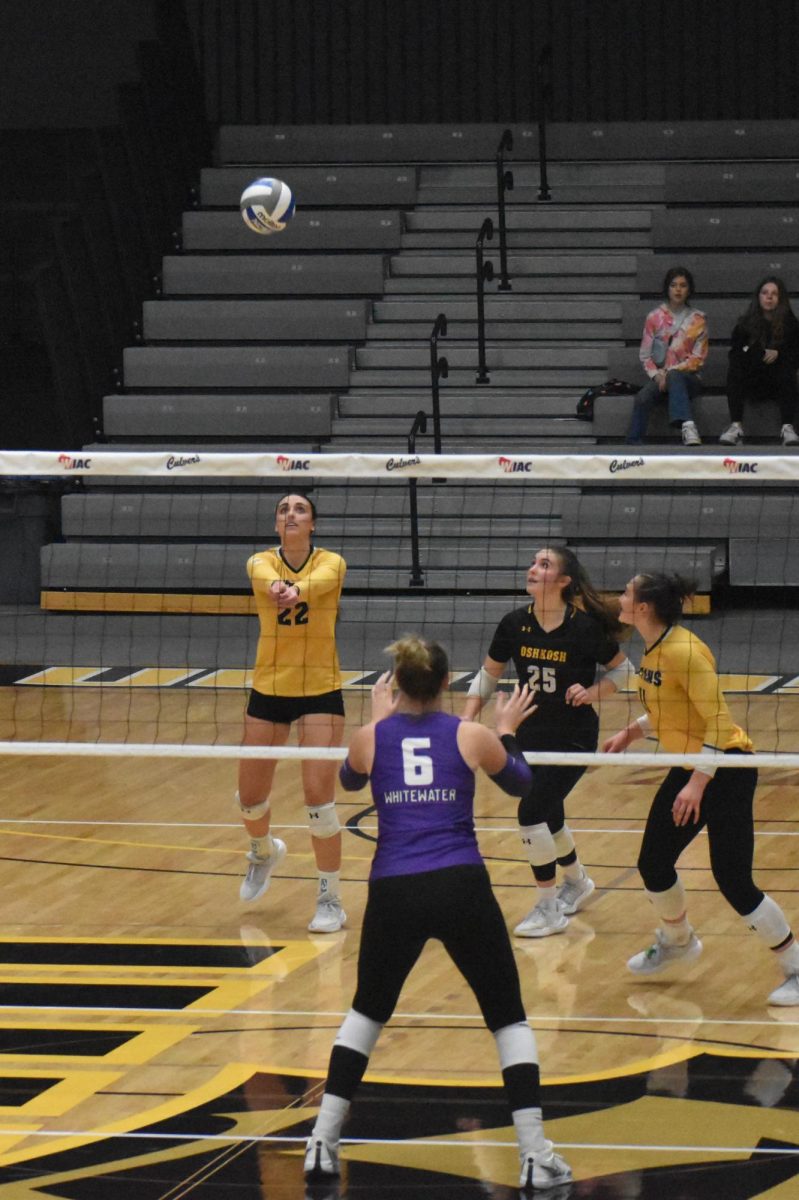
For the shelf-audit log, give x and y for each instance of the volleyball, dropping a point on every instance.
(267, 205)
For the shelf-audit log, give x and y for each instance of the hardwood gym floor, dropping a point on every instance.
(158, 1039)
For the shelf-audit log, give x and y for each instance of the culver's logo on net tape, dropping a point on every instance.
(176, 461)
(399, 464)
(624, 464)
(292, 464)
(74, 464)
(513, 465)
(736, 467)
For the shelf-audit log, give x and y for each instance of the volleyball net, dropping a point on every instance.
(140, 634)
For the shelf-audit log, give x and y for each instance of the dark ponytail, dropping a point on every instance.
(665, 593)
(581, 592)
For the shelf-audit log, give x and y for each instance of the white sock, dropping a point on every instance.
(789, 958)
(332, 1114)
(263, 847)
(328, 885)
(547, 895)
(530, 1132)
(670, 908)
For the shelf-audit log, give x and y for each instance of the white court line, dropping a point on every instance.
(535, 1018)
(277, 1140)
(362, 828)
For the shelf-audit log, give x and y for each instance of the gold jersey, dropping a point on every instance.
(679, 687)
(297, 646)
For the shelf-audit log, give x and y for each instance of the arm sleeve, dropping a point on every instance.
(515, 777)
(705, 694)
(325, 578)
(352, 780)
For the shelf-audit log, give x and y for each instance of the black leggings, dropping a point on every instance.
(455, 905)
(545, 800)
(727, 812)
(775, 381)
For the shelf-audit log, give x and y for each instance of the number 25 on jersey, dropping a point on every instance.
(542, 679)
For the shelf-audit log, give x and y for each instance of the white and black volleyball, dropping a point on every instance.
(267, 205)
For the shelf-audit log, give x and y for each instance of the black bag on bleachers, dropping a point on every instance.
(613, 387)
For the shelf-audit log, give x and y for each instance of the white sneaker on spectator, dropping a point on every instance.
(329, 916)
(787, 993)
(662, 954)
(690, 434)
(789, 436)
(543, 1171)
(259, 872)
(542, 921)
(733, 435)
(573, 893)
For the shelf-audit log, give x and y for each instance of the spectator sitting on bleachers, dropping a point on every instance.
(673, 350)
(764, 357)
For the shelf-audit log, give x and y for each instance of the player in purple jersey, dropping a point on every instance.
(428, 880)
(556, 644)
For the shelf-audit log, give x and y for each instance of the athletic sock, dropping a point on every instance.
(262, 847)
(329, 885)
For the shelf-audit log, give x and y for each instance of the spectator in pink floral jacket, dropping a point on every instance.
(673, 351)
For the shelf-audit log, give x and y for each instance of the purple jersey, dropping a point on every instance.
(424, 796)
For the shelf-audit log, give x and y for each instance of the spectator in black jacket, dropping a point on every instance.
(764, 358)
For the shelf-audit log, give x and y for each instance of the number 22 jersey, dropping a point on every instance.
(551, 661)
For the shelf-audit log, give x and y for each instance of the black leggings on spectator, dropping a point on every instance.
(769, 382)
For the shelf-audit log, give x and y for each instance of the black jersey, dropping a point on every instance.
(551, 662)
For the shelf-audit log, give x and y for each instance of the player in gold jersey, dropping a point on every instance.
(685, 709)
(297, 588)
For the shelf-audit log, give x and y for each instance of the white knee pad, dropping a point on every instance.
(539, 845)
(323, 820)
(564, 842)
(515, 1044)
(253, 812)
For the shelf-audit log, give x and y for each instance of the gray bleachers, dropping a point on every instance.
(143, 567)
(731, 183)
(535, 228)
(235, 517)
(210, 414)
(317, 187)
(612, 419)
(310, 230)
(274, 275)
(764, 561)
(624, 363)
(657, 514)
(731, 274)
(721, 314)
(230, 367)
(725, 227)
(463, 143)
(255, 320)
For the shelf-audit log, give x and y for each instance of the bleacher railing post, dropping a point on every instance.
(504, 184)
(543, 74)
(484, 271)
(439, 369)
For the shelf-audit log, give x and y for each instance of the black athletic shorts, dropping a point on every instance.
(283, 710)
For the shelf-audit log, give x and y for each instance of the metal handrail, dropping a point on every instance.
(484, 271)
(544, 77)
(417, 574)
(439, 369)
(504, 184)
